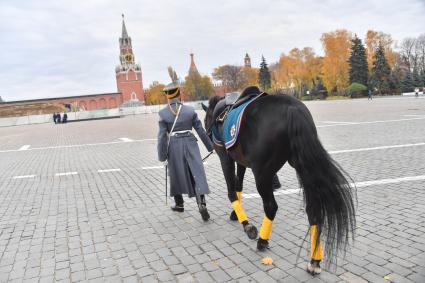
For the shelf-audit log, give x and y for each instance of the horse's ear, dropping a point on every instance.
(204, 107)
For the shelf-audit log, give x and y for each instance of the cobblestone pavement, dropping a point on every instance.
(85, 202)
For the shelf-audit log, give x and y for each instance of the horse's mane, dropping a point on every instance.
(213, 101)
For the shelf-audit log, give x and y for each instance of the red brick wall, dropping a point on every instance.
(130, 82)
(107, 101)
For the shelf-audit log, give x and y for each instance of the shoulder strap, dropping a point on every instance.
(172, 128)
(175, 119)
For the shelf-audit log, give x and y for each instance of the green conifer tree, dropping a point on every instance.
(264, 78)
(408, 84)
(423, 78)
(381, 72)
(358, 62)
(395, 84)
(417, 78)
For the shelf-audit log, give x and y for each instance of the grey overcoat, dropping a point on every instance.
(185, 165)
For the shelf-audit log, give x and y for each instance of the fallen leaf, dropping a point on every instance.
(267, 260)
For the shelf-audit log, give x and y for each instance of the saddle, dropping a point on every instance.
(228, 117)
(233, 100)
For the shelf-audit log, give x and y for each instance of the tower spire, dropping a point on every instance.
(247, 61)
(124, 29)
(192, 68)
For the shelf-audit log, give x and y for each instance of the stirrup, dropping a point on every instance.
(222, 116)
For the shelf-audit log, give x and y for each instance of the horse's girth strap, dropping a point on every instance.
(240, 213)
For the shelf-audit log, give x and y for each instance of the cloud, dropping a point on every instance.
(58, 48)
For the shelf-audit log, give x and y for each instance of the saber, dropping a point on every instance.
(208, 155)
(166, 184)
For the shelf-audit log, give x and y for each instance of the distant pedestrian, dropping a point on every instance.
(65, 118)
(54, 117)
(58, 118)
(369, 95)
(416, 92)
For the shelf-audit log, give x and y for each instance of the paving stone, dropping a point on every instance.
(219, 275)
(165, 275)
(109, 226)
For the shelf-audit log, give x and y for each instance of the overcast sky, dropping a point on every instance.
(52, 48)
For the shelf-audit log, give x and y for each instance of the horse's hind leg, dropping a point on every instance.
(239, 186)
(316, 248)
(264, 187)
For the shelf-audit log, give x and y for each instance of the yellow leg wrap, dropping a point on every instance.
(239, 195)
(240, 213)
(315, 253)
(266, 228)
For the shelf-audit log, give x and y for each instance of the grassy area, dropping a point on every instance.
(30, 109)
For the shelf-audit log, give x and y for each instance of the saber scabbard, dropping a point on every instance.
(166, 184)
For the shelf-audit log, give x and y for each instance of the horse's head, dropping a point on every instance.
(209, 113)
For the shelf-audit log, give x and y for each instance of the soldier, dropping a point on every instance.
(178, 149)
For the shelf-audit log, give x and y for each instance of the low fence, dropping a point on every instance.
(421, 93)
(89, 115)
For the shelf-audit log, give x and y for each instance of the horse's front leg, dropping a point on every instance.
(228, 166)
(239, 187)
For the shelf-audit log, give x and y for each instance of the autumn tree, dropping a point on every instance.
(298, 71)
(264, 78)
(335, 66)
(198, 87)
(380, 77)
(155, 95)
(283, 72)
(358, 63)
(373, 40)
(412, 51)
(312, 68)
(250, 76)
(232, 77)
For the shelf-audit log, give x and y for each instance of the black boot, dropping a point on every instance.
(179, 207)
(203, 209)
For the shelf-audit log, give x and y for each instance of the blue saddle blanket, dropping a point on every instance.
(232, 125)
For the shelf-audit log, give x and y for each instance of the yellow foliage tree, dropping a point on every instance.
(250, 76)
(154, 94)
(372, 41)
(335, 67)
(283, 72)
(299, 69)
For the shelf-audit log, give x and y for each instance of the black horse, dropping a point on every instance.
(277, 129)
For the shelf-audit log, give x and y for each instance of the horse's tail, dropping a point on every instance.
(327, 193)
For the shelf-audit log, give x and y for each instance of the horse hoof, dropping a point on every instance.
(314, 268)
(251, 231)
(233, 216)
(262, 244)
